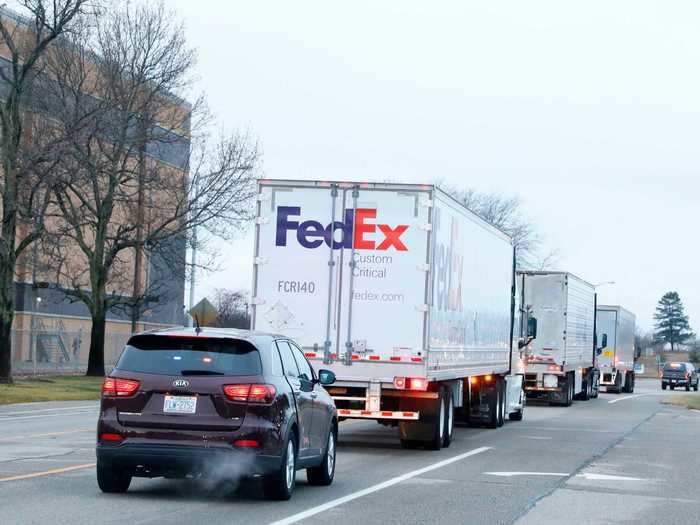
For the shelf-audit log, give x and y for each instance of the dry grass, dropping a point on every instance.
(684, 401)
(53, 388)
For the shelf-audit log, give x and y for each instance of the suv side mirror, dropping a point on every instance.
(532, 328)
(326, 377)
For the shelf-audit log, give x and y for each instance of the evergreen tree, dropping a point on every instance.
(671, 322)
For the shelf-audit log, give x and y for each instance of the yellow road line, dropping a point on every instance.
(47, 434)
(48, 472)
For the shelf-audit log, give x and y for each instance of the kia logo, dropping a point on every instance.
(181, 383)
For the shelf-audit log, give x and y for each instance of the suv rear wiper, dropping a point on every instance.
(201, 373)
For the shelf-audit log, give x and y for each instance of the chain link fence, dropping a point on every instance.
(53, 351)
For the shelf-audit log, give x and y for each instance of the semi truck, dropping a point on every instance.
(560, 365)
(400, 290)
(615, 329)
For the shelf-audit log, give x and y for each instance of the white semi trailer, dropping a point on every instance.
(560, 364)
(615, 328)
(402, 292)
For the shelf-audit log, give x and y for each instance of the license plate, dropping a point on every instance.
(180, 404)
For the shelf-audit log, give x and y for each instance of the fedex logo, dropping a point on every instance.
(368, 235)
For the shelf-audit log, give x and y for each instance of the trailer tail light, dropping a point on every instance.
(686, 375)
(488, 378)
(115, 387)
(553, 368)
(247, 393)
(473, 380)
(411, 383)
(417, 383)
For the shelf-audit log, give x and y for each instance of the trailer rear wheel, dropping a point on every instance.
(494, 401)
(503, 404)
(439, 422)
(586, 391)
(449, 420)
(632, 382)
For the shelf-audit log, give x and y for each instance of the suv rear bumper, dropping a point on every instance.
(674, 381)
(178, 461)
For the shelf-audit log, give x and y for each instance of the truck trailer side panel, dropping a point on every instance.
(470, 310)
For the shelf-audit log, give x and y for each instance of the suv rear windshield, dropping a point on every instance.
(677, 367)
(157, 354)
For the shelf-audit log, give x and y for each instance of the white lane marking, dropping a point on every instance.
(19, 418)
(634, 397)
(513, 474)
(606, 477)
(47, 434)
(295, 518)
(47, 472)
(38, 410)
(588, 475)
(536, 437)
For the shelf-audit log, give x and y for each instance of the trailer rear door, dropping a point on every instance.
(344, 266)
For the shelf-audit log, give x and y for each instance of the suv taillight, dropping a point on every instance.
(115, 387)
(250, 393)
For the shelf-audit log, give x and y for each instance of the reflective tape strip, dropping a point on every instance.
(377, 414)
(373, 358)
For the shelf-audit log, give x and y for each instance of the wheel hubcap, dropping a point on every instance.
(450, 415)
(442, 418)
(290, 465)
(331, 454)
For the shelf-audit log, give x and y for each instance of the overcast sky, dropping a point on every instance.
(588, 111)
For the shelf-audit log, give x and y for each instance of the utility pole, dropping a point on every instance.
(193, 255)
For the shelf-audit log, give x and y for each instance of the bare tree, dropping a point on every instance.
(25, 40)
(233, 309)
(506, 214)
(117, 203)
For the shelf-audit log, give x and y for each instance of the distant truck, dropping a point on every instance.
(560, 363)
(615, 328)
(401, 291)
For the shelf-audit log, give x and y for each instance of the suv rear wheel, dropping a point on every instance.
(280, 485)
(112, 481)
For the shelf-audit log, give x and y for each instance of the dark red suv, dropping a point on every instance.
(215, 402)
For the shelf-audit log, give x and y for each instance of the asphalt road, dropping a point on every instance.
(620, 458)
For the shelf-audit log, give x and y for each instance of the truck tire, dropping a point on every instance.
(503, 403)
(663, 386)
(439, 423)
(672, 386)
(595, 389)
(449, 420)
(618, 385)
(518, 414)
(585, 394)
(632, 382)
(494, 399)
(687, 387)
(696, 386)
